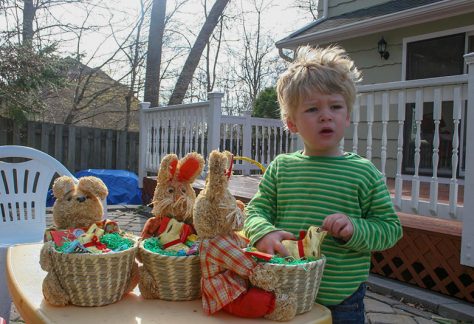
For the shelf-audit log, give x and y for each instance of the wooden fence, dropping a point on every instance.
(78, 148)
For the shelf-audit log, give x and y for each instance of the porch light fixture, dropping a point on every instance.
(382, 48)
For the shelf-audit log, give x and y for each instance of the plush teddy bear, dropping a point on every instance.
(231, 279)
(76, 206)
(173, 202)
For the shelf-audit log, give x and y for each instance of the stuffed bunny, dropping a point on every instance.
(174, 195)
(226, 268)
(173, 202)
(76, 206)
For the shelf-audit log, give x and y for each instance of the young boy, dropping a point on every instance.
(341, 192)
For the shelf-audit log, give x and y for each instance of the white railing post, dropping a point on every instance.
(467, 240)
(214, 121)
(247, 139)
(142, 144)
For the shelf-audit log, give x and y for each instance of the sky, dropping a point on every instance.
(279, 18)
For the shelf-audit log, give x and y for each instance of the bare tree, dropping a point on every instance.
(309, 6)
(209, 70)
(29, 15)
(135, 56)
(255, 63)
(94, 89)
(160, 64)
(212, 58)
(194, 56)
(29, 12)
(89, 91)
(155, 43)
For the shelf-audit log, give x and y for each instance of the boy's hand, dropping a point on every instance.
(271, 243)
(339, 226)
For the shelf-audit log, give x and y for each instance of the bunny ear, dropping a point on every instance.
(172, 168)
(190, 167)
(230, 163)
(168, 167)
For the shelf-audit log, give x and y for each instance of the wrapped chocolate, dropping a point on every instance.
(308, 245)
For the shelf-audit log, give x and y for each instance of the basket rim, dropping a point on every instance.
(94, 255)
(309, 264)
(142, 248)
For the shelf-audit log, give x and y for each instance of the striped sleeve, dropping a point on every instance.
(380, 227)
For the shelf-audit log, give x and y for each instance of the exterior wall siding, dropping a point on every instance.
(363, 50)
(340, 7)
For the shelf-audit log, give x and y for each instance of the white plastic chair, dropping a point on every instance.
(23, 190)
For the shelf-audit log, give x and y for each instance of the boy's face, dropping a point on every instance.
(320, 120)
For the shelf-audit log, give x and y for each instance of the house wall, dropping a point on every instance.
(363, 50)
(339, 7)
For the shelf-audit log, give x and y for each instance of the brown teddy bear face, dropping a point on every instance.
(78, 206)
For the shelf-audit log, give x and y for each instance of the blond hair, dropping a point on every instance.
(326, 70)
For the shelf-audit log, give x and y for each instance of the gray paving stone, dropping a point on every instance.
(421, 320)
(413, 310)
(375, 306)
(375, 318)
(382, 298)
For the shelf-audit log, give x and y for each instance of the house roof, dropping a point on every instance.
(382, 17)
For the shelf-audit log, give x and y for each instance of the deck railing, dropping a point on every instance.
(200, 127)
(416, 132)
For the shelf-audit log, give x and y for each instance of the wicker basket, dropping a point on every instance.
(301, 279)
(176, 277)
(94, 279)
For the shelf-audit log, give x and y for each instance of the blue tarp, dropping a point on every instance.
(122, 185)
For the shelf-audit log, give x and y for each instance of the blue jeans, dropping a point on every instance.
(351, 310)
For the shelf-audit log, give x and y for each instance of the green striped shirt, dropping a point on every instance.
(297, 191)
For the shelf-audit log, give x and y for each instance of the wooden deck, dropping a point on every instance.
(245, 187)
(241, 187)
(443, 191)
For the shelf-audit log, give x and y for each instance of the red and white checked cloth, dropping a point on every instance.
(225, 269)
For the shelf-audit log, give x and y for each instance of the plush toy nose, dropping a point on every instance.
(177, 196)
(81, 199)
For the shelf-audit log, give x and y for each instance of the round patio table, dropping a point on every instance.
(25, 277)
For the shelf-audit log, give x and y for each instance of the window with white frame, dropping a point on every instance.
(431, 57)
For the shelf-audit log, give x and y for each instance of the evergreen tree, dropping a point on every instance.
(266, 104)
